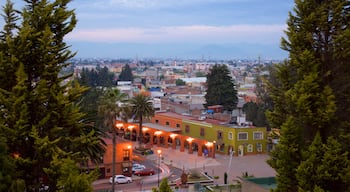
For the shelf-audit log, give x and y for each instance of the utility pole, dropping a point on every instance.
(229, 164)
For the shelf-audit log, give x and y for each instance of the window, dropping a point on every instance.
(250, 148)
(243, 136)
(157, 121)
(167, 123)
(230, 136)
(219, 134)
(258, 135)
(202, 132)
(126, 155)
(187, 129)
(177, 125)
(259, 147)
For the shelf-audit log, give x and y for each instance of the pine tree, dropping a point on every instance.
(306, 93)
(221, 88)
(40, 115)
(126, 74)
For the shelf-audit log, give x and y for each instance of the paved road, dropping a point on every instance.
(254, 165)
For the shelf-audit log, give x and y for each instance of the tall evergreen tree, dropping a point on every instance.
(40, 115)
(306, 91)
(126, 74)
(221, 88)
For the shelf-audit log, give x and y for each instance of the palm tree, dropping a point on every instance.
(142, 107)
(110, 107)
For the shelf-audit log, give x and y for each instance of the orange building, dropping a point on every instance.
(123, 156)
(164, 130)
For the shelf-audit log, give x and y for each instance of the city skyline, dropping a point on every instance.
(217, 29)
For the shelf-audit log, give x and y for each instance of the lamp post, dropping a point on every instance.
(159, 154)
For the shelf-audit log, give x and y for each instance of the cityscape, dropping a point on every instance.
(213, 139)
(174, 96)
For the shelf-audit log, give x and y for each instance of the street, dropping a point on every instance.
(140, 183)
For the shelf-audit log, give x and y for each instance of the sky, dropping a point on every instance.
(186, 29)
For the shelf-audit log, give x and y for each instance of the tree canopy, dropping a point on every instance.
(180, 82)
(141, 107)
(221, 88)
(310, 98)
(95, 80)
(126, 74)
(40, 115)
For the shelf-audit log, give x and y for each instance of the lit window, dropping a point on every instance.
(243, 136)
(230, 135)
(126, 155)
(258, 135)
(250, 148)
(259, 147)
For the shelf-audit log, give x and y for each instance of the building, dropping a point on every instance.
(203, 136)
(123, 156)
(241, 140)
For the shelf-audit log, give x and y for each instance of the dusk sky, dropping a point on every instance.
(188, 29)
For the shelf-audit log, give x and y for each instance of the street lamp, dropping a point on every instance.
(159, 155)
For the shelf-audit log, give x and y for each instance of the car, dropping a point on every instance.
(119, 179)
(137, 167)
(146, 171)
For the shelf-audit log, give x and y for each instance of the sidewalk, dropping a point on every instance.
(254, 165)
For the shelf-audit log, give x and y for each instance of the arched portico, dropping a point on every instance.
(165, 137)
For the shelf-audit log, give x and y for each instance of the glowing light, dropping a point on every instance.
(173, 135)
(144, 129)
(158, 133)
(209, 144)
(131, 127)
(119, 125)
(190, 139)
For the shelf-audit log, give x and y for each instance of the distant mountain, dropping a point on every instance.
(185, 51)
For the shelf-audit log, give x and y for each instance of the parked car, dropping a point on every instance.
(120, 179)
(147, 171)
(137, 167)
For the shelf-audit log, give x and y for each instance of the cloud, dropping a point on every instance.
(193, 34)
(151, 4)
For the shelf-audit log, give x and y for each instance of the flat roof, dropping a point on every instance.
(161, 127)
(174, 115)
